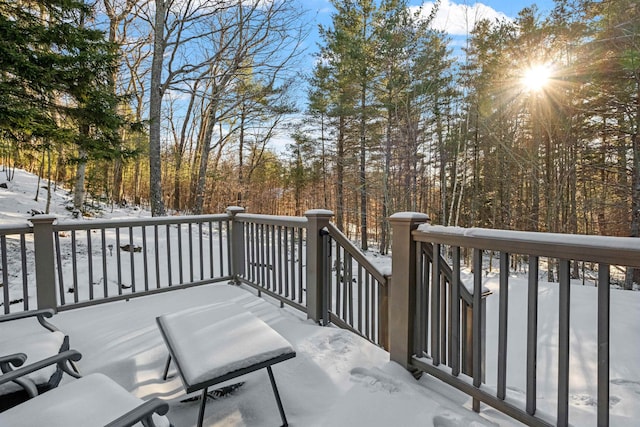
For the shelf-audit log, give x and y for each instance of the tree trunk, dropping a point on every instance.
(340, 175)
(155, 110)
(78, 188)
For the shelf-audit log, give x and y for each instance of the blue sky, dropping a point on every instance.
(451, 16)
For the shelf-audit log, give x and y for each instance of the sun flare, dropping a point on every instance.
(536, 77)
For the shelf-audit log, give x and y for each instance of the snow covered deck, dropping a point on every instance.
(337, 378)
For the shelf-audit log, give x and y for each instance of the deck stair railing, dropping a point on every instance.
(356, 289)
(419, 306)
(307, 263)
(444, 317)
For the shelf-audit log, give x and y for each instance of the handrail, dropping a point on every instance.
(286, 221)
(352, 249)
(6, 229)
(562, 249)
(601, 249)
(140, 222)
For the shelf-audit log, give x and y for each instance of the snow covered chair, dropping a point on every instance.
(91, 401)
(21, 334)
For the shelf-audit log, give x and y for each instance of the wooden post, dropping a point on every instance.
(317, 220)
(402, 292)
(383, 314)
(236, 236)
(44, 258)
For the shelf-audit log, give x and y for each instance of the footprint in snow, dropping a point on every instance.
(374, 380)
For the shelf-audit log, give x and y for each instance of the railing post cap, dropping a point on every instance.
(232, 210)
(319, 212)
(409, 217)
(42, 219)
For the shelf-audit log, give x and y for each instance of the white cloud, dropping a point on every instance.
(459, 19)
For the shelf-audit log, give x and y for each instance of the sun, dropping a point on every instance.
(536, 77)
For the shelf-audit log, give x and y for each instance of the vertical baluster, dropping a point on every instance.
(477, 323)
(339, 277)
(201, 249)
(532, 335)
(23, 257)
(74, 265)
(423, 302)
(180, 266)
(293, 266)
(210, 225)
(563, 343)
(443, 319)
(435, 305)
(249, 242)
(90, 261)
(5, 274)
(132, 261)
(301, 255)
(56, 238)
(346, 285)
(220, 251)
(279, 262)
(358, 284)
(156, 255)
(145, 263)
(376, 310)
(287, 261)
(190, 231)
(350, 292)
(168, 234)
(449, 319)
(367, 306)
(228, 231)
(604, 308)
(274, 263)
(266, 280)
(327, 253)
(502, 325)
(118, 261)
(455, 313)
(360, 298)
(103, 244)
(268, 260)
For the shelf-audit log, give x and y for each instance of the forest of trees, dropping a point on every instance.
(174, 104)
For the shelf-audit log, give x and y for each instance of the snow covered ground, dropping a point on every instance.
(337, 378)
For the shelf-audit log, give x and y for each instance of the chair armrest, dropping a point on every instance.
(143, 413)
(16, 360)
(61, 359)
(40, 314)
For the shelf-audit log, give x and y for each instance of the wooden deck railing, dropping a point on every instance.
(418, 339)
(420, 310)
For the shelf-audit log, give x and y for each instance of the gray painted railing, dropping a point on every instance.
(272, 256)
(357, 290)
(14, 278)
(307, 263)
(410, 325)
(81, 263)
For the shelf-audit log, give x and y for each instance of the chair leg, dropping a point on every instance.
(277, 395)
(166, 368)
(202, 405)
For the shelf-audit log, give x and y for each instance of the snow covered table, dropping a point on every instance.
(215, 343)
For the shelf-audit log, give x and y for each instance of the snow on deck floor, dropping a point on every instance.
(336, 379)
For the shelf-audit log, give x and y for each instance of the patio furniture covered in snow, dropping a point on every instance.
(219, 342)
(94, 400)
(20, 333)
